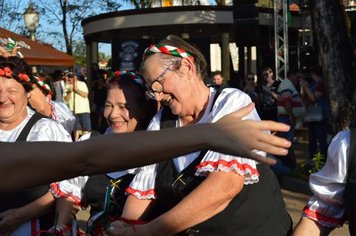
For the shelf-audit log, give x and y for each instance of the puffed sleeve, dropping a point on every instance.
(69, 188)
(230, 100)
(143, 184)
(48, 130)
(328, 185)
(63, 115)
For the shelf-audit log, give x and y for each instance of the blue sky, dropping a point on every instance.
(103, 47)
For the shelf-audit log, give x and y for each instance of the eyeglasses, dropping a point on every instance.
(250, 78)
(157, 85)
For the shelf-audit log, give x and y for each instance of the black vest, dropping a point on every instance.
(350, 189)
(257, 210)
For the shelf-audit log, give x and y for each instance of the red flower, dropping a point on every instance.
(24, 77)
(7, 72)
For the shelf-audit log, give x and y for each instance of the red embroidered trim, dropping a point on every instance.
(55, 188)
(142, 193)
(322, 218)
(229, 164)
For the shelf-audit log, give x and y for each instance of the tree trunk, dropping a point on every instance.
(338, 59)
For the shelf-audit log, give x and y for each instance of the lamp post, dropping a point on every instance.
(31, 18)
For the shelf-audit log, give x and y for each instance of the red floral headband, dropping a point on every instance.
(7, 72)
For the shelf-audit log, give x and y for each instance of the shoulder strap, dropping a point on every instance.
(218, 91)
(352, 153)
(26, 130)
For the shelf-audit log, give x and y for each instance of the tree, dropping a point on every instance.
(138, 4)
(69, 15)
(11, 15)
(338, 59)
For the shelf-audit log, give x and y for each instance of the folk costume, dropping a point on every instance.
(105, 194)
(257, 210)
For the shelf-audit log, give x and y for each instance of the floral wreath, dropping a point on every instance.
(7, 72)
(40, 82)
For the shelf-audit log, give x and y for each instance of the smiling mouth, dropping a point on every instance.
(117, 124)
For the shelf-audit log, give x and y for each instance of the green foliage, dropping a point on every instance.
(304, 169)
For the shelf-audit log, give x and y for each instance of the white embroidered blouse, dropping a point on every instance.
(230, 100)
(44, 130)
(328, 185)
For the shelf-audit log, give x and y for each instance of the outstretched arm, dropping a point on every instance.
(26, 164)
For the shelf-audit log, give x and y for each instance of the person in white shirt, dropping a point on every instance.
(29, 210)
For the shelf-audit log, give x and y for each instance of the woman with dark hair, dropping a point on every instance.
(126, 110)
(28, 211)
(204, 192)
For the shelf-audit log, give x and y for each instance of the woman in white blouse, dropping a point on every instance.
(206, 192)
(21, 211)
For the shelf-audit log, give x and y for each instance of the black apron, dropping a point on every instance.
(258, 209)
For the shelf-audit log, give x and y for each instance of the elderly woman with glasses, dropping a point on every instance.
(204, 192)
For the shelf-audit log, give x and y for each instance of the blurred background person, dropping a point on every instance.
(267, 90)
(77, 99)
(218, 78)
(315, 93)
(290, 108)
(250, 88)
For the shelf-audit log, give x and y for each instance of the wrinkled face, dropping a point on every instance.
(13, 101)
(217, 80)
(177, 89)
(121, 111)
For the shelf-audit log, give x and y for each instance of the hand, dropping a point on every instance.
(245, 136)
(118, 228)
(10, 220)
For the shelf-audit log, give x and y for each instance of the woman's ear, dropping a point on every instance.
(186, 66)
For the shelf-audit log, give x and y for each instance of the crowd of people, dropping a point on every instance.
(193, 188)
